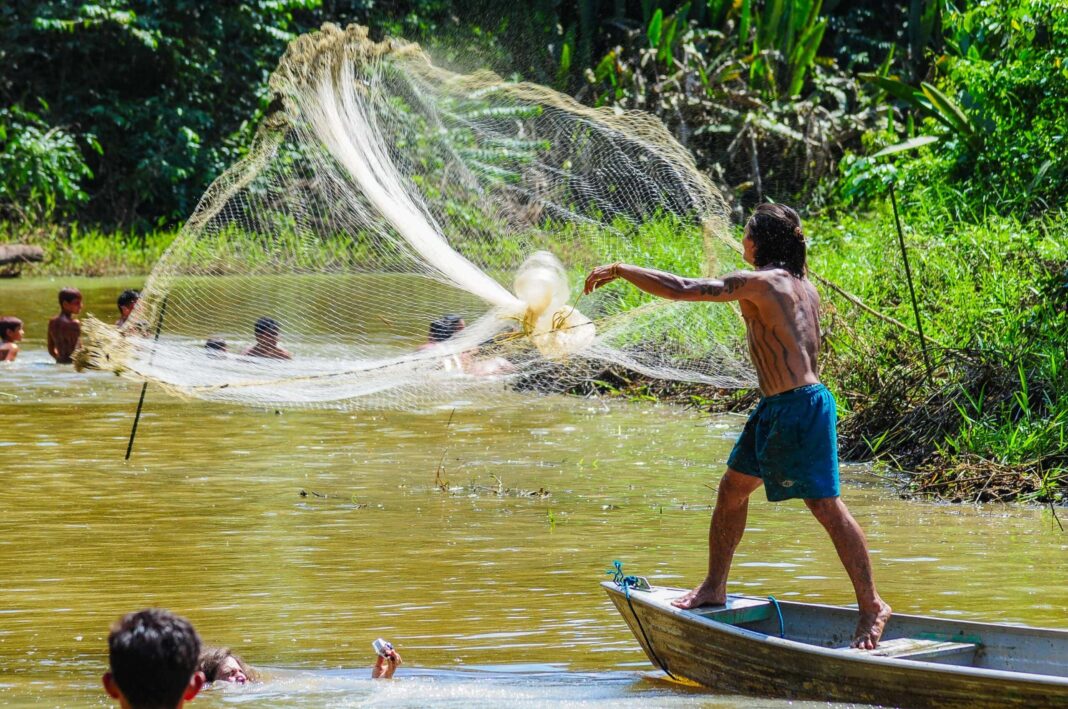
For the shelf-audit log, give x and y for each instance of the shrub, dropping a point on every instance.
(41, 167)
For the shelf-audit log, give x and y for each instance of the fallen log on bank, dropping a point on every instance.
(12, 256)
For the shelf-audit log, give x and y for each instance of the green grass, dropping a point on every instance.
(993, 296)
(76, 251)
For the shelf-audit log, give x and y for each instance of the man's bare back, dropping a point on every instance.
(783, 331)
(64, 332)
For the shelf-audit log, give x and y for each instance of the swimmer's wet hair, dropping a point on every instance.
(212, 658)
(267, 326)
(444, 327)
(67, 295)
(8, 324)
(153, 654)
(128, 297)
(776, 233)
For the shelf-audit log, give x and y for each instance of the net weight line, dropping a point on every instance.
(144, 385)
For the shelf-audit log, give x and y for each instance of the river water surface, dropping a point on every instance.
(298, 537)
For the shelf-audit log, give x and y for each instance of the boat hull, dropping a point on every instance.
(736, 660)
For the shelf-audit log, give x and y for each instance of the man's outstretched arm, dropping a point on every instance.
(733, 286)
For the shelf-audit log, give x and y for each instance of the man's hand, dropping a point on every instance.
(600, 276)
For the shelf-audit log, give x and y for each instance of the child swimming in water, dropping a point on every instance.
(11, 333)
(219, 664)
(267, 331)
(127, 302)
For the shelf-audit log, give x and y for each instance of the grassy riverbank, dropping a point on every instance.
(988, 422)
(76, 251)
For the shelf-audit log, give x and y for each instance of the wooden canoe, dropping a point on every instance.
(921, 662)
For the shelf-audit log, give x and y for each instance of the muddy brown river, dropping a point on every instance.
(299, 537)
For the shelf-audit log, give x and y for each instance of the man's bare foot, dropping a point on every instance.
(707, 594)
(870, 627)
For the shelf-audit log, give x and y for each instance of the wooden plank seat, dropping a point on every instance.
(920, 649)
(737, 611)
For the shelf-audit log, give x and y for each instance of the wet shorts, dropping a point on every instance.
(791, 442)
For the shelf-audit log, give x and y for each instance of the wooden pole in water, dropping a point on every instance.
(144, 385)
(912, 290)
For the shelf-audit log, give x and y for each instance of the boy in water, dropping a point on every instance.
(789, 444)
(267, 333)
(127, 301)
(10, 334)
(153, 656)
(64, 330)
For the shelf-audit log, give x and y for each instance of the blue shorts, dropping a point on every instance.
(791, 443)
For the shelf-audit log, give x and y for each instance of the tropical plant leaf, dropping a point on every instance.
(655, 29)
(948, 111)
(910, 144)
(896, 88)
(804, 55)
(745, 17)
(884, 68)
(565, 65)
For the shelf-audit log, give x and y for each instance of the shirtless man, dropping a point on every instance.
(789, 444)
(267, 333)
(64, 330)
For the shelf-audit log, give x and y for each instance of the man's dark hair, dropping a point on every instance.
(67, 295)
(153, 654)
(776, 233)
(445, 327)
(267, 326)
(128, 297)
(8, 324)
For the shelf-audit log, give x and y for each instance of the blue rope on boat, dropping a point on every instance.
(782, 626)
(625, 583)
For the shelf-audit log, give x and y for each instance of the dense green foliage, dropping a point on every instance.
(994, 107)
(41, 168)
(170, 91)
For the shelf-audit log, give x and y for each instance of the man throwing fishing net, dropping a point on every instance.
(789, 444)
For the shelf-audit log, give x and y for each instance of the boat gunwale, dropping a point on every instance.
(644, 598)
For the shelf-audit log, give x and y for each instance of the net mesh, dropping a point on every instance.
(384, 193)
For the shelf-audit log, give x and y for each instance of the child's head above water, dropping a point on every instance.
(127, 300)
(267, 330)
(219, 664)
(153, 659)
(777, 239)
(445, 327)
(70, 300)
(10, 329)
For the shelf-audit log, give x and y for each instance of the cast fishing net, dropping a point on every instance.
(383, 193)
